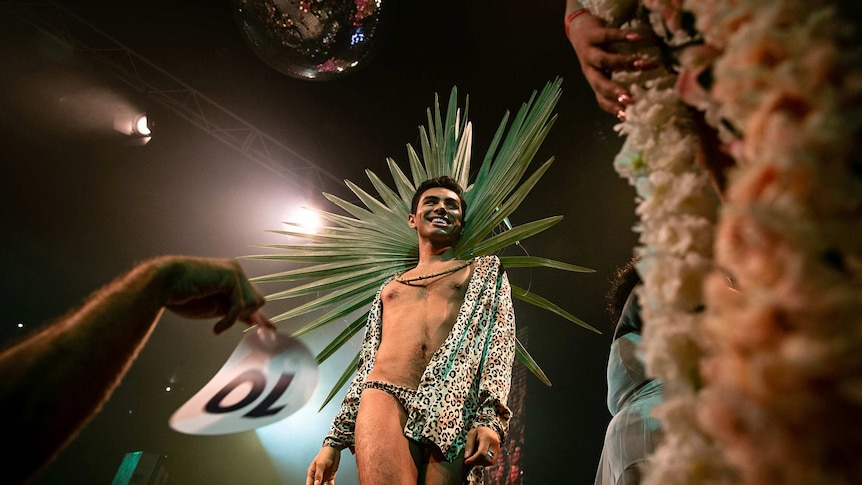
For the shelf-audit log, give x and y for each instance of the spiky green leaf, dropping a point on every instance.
(540, 302)
(342, 380)
(347, 261)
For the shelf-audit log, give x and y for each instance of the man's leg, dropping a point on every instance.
(382, 451)
(435, 470)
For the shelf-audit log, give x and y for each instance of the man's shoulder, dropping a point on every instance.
(488, 260)
(488, 265)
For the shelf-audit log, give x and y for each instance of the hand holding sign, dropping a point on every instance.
(268, 377)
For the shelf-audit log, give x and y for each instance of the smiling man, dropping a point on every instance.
(427, 404)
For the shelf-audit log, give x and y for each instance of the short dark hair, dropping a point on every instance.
(444, 181)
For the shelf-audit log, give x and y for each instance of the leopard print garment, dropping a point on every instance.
(466, 383)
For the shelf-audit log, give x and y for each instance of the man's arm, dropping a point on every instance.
(492, 418)
(57, 378)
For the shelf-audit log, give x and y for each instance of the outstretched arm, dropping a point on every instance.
(57, 378)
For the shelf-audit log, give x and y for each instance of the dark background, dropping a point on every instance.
(80, 207)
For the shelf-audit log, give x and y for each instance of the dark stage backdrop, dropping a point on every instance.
(81, 206)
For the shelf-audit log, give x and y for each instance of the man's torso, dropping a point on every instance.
(417, 318)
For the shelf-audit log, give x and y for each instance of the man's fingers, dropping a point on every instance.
(314, 475)
(476, 457)
(227, 321)
(238, 305)
(607, 92)
(594, 45)
(612, 62)
(251, 297)
(237, 312)
(606, 35)
(317, 475)
(470, 445)
(607, 106)
(247, 301)
(260, 320)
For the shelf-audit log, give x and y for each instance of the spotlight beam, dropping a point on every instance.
(146, 77)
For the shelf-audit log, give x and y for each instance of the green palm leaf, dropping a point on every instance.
(358, 301)
(342, 339)
(493, 220)
(525, 357)
(535, 262)
(335, 281)
(405, 188)
(346, 261)
(540, 302)
(345, 376)
(517, 233)
(343, 267)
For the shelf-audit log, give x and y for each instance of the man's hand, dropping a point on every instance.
(206, 288)
(324, 467)
(89, 350)
(482, 448)
(591, 41)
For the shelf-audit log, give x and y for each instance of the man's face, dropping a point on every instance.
(438, 215)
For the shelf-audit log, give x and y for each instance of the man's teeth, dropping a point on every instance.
(440, 220)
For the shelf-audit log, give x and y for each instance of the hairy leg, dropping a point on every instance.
(382, 451)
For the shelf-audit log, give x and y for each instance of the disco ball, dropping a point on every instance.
(315, 40)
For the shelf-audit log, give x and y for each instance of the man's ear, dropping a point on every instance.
(411, 220)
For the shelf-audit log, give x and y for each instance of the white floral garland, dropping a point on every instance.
(780, 78)
(677, 211)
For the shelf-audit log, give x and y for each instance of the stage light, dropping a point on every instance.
(304, 220)
(137, 127)
(141, 126)
(141, 129)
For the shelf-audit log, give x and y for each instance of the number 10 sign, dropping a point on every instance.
(268, 377)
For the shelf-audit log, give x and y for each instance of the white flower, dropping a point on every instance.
(615, 12)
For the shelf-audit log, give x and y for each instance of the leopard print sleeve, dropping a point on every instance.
(496, 374)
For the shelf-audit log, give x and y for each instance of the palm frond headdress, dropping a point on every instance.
(348, 260)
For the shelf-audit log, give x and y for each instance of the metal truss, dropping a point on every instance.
(157, 84)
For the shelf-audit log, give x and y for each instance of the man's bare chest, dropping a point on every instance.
(397, 295)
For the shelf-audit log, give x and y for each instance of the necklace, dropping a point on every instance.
(453, 269)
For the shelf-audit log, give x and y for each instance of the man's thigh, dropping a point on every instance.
(433, 467)
(382, 451)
